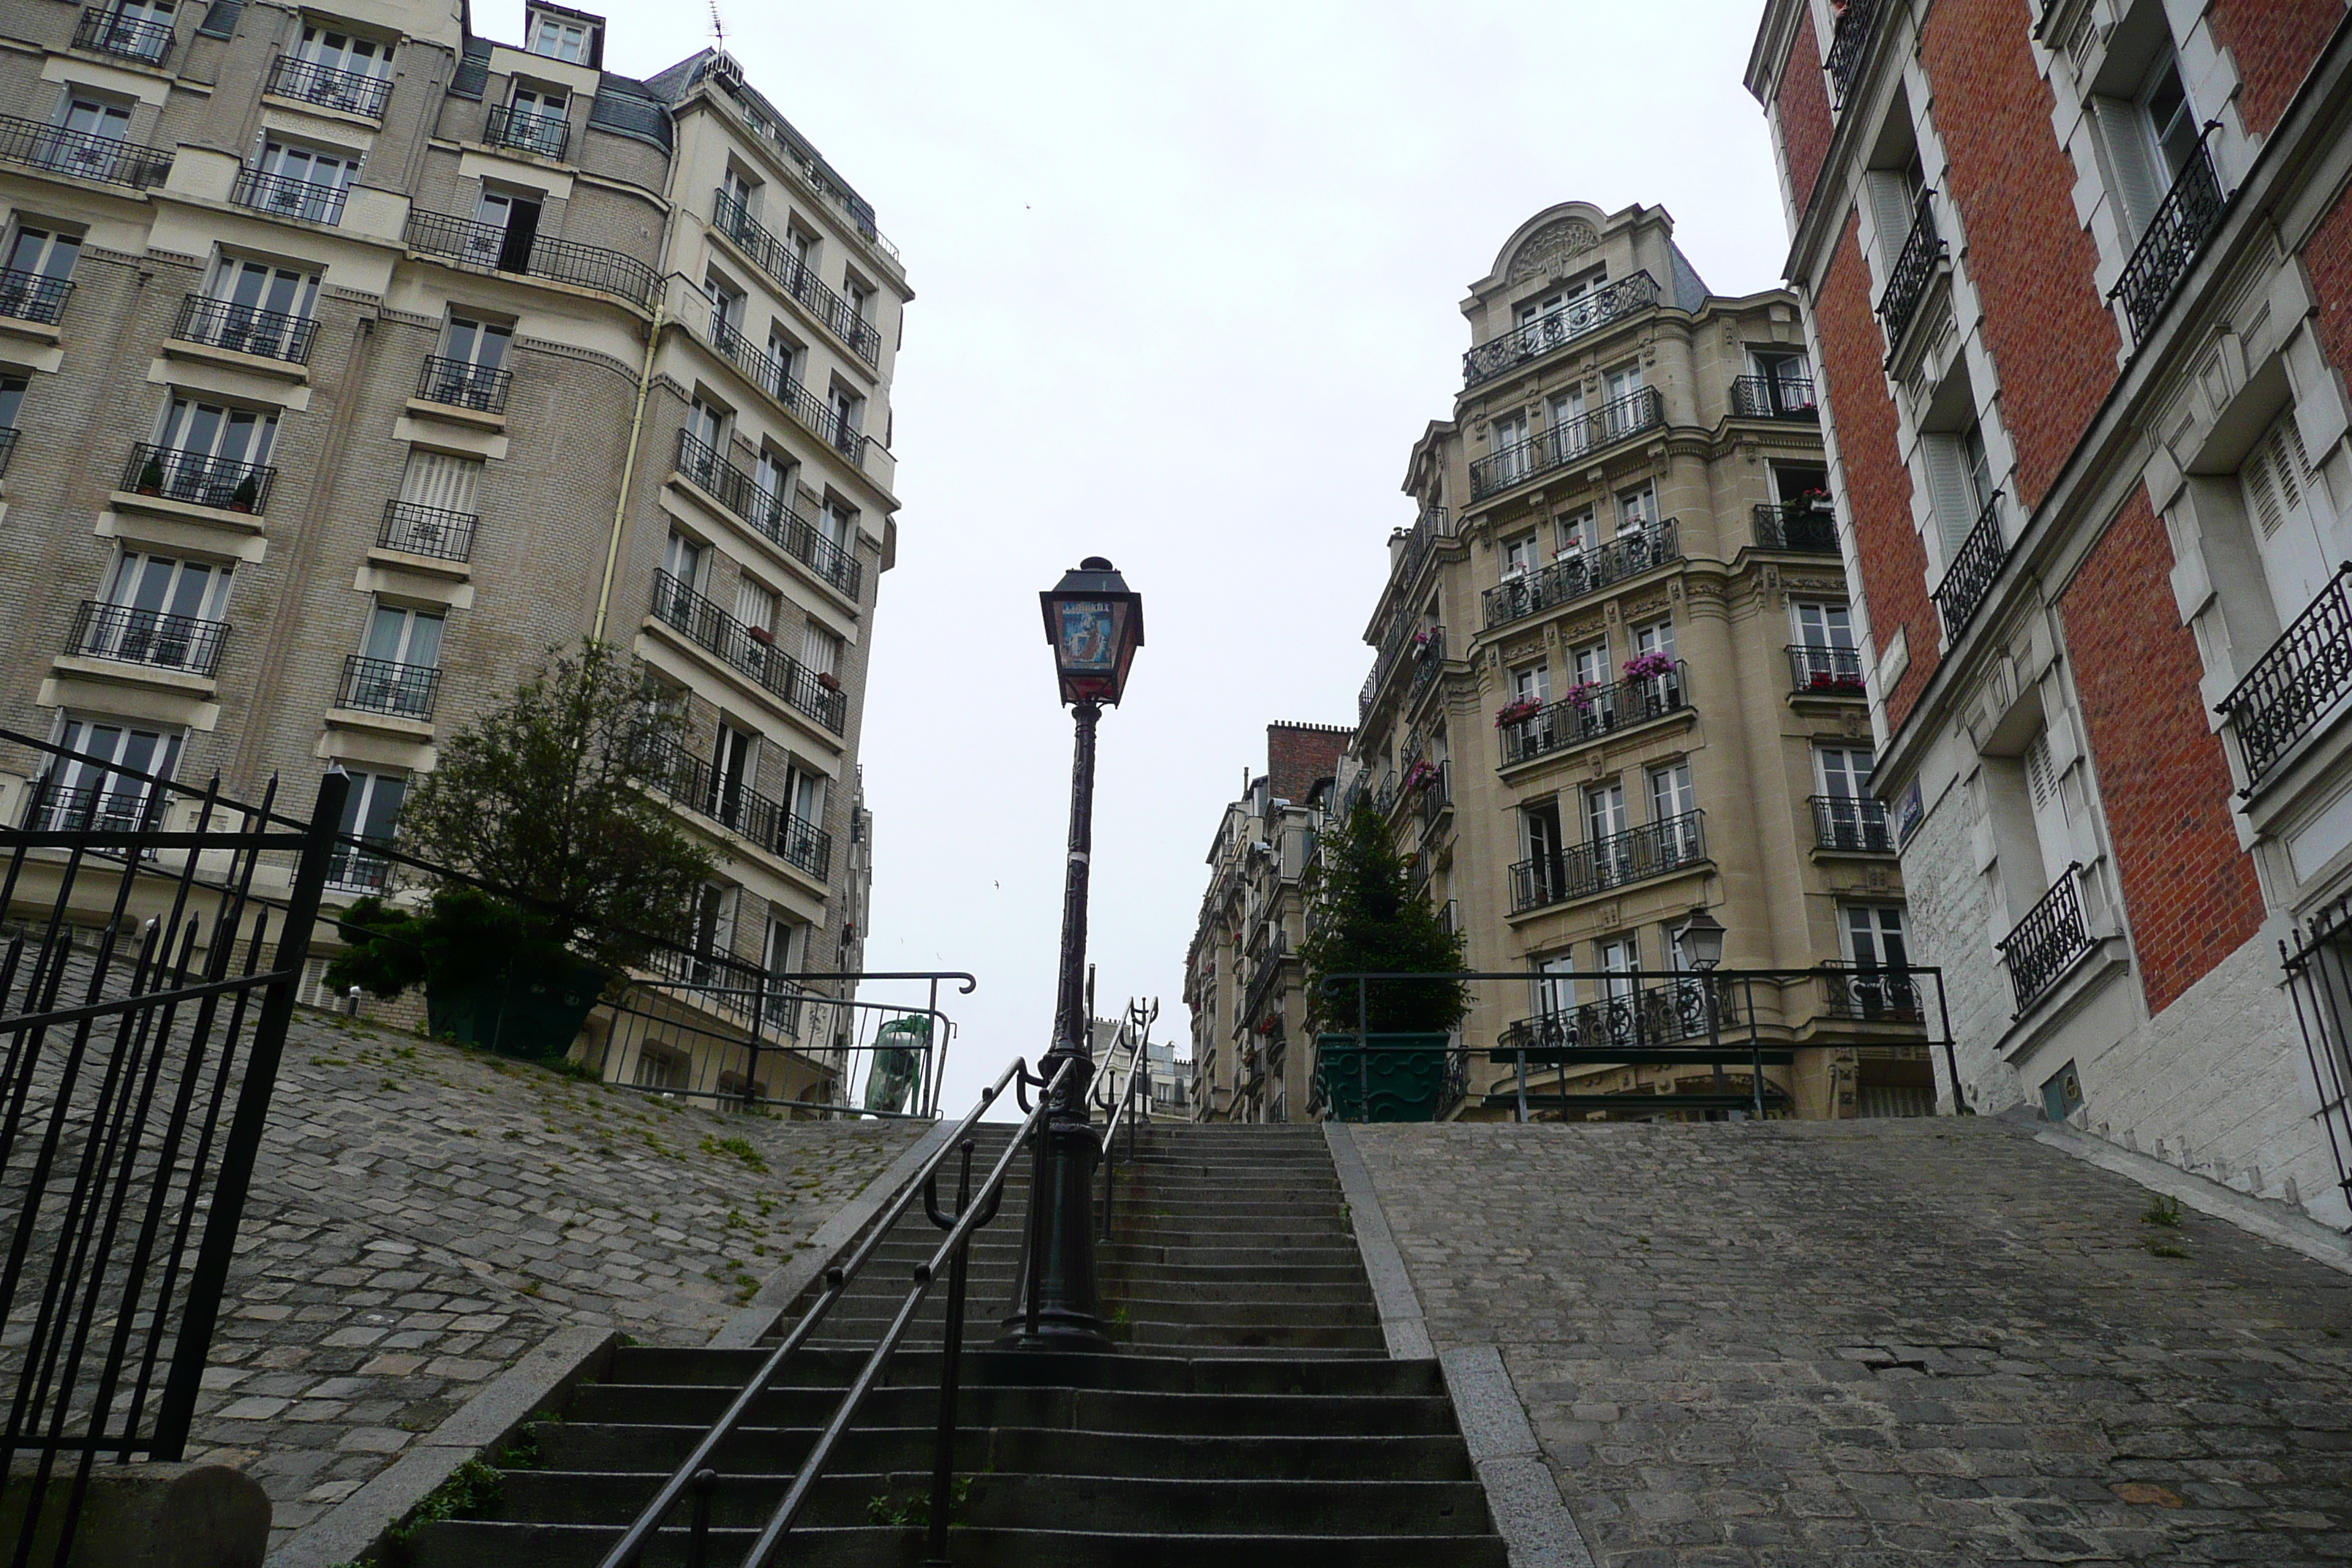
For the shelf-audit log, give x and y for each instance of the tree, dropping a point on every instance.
(1373, 922)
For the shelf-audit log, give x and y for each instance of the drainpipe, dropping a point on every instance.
(629, 465)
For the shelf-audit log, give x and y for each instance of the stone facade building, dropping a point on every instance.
(2076, 279)
(350, 362)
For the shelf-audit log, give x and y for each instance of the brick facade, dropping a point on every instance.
(2275, 43)
(2328, 263)
(1802, 107)
(1296, 755)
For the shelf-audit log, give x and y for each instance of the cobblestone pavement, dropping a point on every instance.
(421, 1216)
(1882, 1342)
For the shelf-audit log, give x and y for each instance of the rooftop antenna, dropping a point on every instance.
(718, 26)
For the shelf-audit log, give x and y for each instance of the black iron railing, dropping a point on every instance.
(109, 32)
(1797, 525)
(1572, 442)
(1405, 639)
(773, 515)
(779, 261)
(357, 871)
(52, 807)
(1590, 711)
(8, 445)
(1435, 791)
(485, 247)
(244, 329)
(2176, 235)
(1431, 526)
(126, 635)
(2298, 682)
(381, 686)
(1913, 269)
(1654, 849)
(197, 479)
(733, 805)
(1844, 822)
(1265, 968)
(828, 423)
(1588, 313)
(1817, 671)
(1848, 43)
(2050, 937)
(55, 150)
(283, 197)
(354, 92)
(33, 296)
(1873, 995)
(461, 383)
(1428, 659)
(428, 531)
(1774, 397)
(1574, 575)
(1970, 578)
(1630, 1014)
(527, 131)
(706, 626)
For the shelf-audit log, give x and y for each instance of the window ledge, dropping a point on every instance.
(382, 724)
(455, 414)
(164, 506)
(428, 565)
(304, 106)
(256, 364)
(2063, 998)
(17, 326)
(155, 677)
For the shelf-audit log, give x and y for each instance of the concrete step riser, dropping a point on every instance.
(650, 1365)
(483, 1545)
(1086, 1409)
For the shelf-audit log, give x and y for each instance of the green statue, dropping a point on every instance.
(900, 1047)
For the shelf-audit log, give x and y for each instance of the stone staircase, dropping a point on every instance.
(1251, 1419)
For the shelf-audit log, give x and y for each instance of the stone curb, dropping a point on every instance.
(1402, 1321)
(355, 1526)
(2259, 1216)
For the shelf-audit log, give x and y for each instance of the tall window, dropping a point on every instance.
(683, 559)
(848, 413)
(436, 496)
(820, 650)
(733, 768)
(838, 523)
(397, 635)
(506, 229)
(1507, 444)
(1619, 957)
(1960, 481)
(308, 181)
(105, 791)
(726, 310)
(742, 190)
(1563, 418)
(2286, 500)
(12, 401)
(2149, 137)
(466, 372)
(89, 122)
(1518, 556)
(1531, 683)
(1554, 985)
(346, 52)
(40, 259)
(755, 603)
(1637, 509)
(370, 812)
(159, 610)
(1576, 533)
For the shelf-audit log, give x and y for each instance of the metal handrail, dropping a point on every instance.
(1137, 1069)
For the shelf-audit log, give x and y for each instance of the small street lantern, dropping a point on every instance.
(1096, 625)
(1700, 939)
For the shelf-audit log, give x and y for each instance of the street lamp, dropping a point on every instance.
(1096, 625)
(1700, 939)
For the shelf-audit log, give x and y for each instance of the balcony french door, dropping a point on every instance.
(159, 604)
(103, 792)
(506, 228)
(266, 306)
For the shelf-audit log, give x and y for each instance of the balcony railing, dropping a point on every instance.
(356, 871)
(1856, 825)
(130, 635)
(1265, 969)
(1774, 397)
(8, 445)
(1427, 530)
(2296, 684)
(1817, 671)
(1797, 525)
(32, 297)
(1405, 639)
(381, 685)
(244, 329)
(2184, 220)
(1583, 572)
(55, 150)
(1915, 268)
(53, 807)
(2050, 937)
(354, 92)
(1428, 659)
(198, 478)
(1638, 854)
(1573, 442)
(771, 515)
(276, 193)
(770, 375)
(460, 383)
(486, 248)
(1848, 43)
(695, 785)
(1588, 712)
(1873, 995)
(428, 531)
(527, 131)
(1628, 1016)
(1435, 791)
(704, 624)
(1970, 576)
(111, 33)
(777, 260)
(1589, 313)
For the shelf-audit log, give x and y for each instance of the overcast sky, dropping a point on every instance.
(1186, 290)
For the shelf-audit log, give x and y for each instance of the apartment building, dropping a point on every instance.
(1615, 679)
(350, 361)
(1252, 1057)
(2075, 278)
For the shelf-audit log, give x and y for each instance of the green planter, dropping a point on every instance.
(1389, 1077)
(534, 1010)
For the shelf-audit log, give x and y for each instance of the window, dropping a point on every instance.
(1518, 556)
(1576, 533)
(1959, 482)
(398, 668)
(820, 650)
(40, 261)
(12, 401)
(838, 523)
(262, 307)
(169, 586)
(1507, 444)
(755, 603)
(346, 52)
(1531, 683)
(742, 190)
(848, 410)
(1657, 638)
(1568, 436)
(105, 792)
(805, 249)
(2048, 803)
(805, 794)
(544, 102)
(1637, 510)
(1554, 985)
(861, 298)
(1540, 842)
(733, 766)
(776, 958)
(1843, 773)
(683, 560)
(1895, 192)
(370, 812)
(508, 228)
(403, 636)
(2284, 499)
(2150, 136)
(440, 481)
(1604, 812)
(1622, 416)
(726, 311)
(468, 371)
(714, 929)
(1619, 957)
(1670, 793)
(1882, 984)
(563, 37)
(212, 454)
(480, 344)
(1589, 663)
(159, 610)
(307, 182)
(706, 423)
(1823, 658)
(89, 123)
(787, 356)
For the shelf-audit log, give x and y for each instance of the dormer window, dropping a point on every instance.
(563, 36)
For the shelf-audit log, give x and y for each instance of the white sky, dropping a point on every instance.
(1187, 293)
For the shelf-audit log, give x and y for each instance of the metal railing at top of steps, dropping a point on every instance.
(699, 1478)
(1123, 1110)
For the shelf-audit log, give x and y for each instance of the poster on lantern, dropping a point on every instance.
(1089, 636)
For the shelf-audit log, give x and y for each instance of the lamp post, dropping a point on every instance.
(1096, 625)
(1700, 939)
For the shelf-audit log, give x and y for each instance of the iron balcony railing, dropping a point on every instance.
(2050, 937)
(1817, 671)
(775, 517)
(1428, 659)
(1590, 711)
(1431, 526)
(381, 686)
(1435, 792)
(2176, 235)
(711, 629)
(1970, 578)
(779, 261)
(527, 131)
(198, 478)
(354, 92)
(2296, 684)
(1913, 269)
(1405, 636)
(428, 531)
(55, 150)
(109, 32)
(52, 807)
(1847, 823)
(33, 296)
(738, 807)
(1574, 575)
(1589, 313)
(461, 383)
(1573, 442)
(486, 248)
(244, 329)
(1873, 995)
(1774, 397)
(1629, 1015)
(357, 871)
(127, 634)
(1265, 969)
(8, 445)
(1796, 525)
(1636, 854)
(771, 375)
(282, 197)
(1848, 42)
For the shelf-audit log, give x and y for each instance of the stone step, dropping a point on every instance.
(1234, 1414)
(649, 1364)
(498, 1544)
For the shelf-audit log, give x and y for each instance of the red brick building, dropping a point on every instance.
(2076, 277)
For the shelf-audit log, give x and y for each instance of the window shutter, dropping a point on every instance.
(1948, 491)
(1891, 207)
(2123, 131)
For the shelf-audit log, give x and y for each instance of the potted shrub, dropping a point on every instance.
(151, 476)
(1648, 667)
(247, 496)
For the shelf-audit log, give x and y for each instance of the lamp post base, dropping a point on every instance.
(1061, 1243)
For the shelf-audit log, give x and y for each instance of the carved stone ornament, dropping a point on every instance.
(1554, 242)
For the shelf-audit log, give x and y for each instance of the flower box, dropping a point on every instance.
(1648, 667)
(761, 636)
(1514, 713)
(830, 682)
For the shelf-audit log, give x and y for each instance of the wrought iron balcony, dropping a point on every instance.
(527, 131)
(1428, 659)
(486, 248)
(32, 297)
(1265, 969)
(1871, 996)
(1629, 1015)
(1588, 712)
(774, 516)
(1915, 268)
(1857, 826)
(1427, 530)
(736, 806)
(1588, 313)
(752, 653)
(461, 383)
(354, 92)
(2299, 681)
(771, 377)
(282, 197)
(244, 329)
(381, 685)
(8, 445)
(130, 635)
(356, 871)
(1797, 525)
(428, 531)
(197, 479)
(53, 807)
(782, 266)
(2050, 937)
(1563, 445)
(1435, 791)
(109, 32)
(52, 149)
(1817, 671)
(1574, 575)
(1970, 577)
(1636, 854)
(1774, 397)
(2176, 235)
(1848, 43)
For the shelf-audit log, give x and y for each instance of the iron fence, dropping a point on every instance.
(282, 196)
(1815, 671)
(244, 329)
(749, 649)
(383, 686)
(428, 531)
(1593, 710)
(770, 514)
(527, 131)
(55, 150)
(33, 295)
(461, 383)
(1858, 825)
(198, 478)
(1871, 995)
(354, 92)
(1774, 397)
(489, 249)
(1654, 849)
(1913, 269)
(106, 31)
(1569, 442)
(2318, 963)
(124, 634)
(2047, 942)
(2299, 682)
(1587, 313)
(783, 266)
(1582, 572)
(2187, 218)
(1435, 791)
(1796, 525)
(1968, 580)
